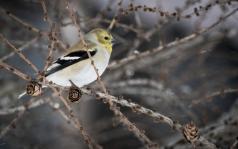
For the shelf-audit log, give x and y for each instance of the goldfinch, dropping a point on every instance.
(76, 65)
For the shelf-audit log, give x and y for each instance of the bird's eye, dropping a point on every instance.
(106, 38)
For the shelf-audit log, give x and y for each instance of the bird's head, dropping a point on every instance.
(102, 37)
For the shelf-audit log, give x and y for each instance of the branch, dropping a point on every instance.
(22, 108)
(15, 71)
(120, 63)
(87, 139)
(28, 43)
(157, 117)
(19, 52)
(25, 24)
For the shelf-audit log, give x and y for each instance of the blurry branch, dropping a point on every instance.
(114, 19)
(196, 11)
(235, 144)
(210, 97)
(34, 104)
(52, 36)
(51, 47)
(57, 92)
(21, 48)
(99, 19)
(125, 26)
(74, 17)
(152, 83)
(77, 125)
(46, 17)
(12, 124)
(87, 139)
(147, 88)
(117, 64)
(21, 110)
(19, 52)
(157, 117)
(26, 25)
(15, 71)
(223, 92)
(32, 28)
(49, 57)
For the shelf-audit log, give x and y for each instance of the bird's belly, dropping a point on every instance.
(88, 74)
(82, 75)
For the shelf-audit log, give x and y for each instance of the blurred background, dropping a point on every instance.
(196, 81)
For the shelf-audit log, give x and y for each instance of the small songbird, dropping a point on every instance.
(76, 65)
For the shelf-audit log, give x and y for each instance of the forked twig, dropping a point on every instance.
(25, 24)
(15, 71)
(87, 139)
(19, 52)
(28, 43)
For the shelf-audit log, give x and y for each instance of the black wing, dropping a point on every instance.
(68, 60)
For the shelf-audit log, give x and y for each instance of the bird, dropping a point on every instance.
(76, 67)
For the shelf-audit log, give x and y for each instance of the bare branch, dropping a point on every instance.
(19, 52)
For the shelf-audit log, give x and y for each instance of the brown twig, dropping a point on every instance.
(114, 20)
(51, 47)
(19, 52)
(46, 17)
(12, 124)
(25, 24)
(211, 96)
(23, 108)
(15, 71)
(77, 125)
(87, 139)
(28, 43)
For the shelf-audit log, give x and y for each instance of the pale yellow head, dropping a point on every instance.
(103, 38)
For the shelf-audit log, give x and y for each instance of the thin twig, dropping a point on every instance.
(87, 139)
(25, 24)
(113, 21)
(46, 17)
(212, 95)
(12, 124)
(15, 71)
(76, 124)
(24, 46)
(34, 104)
(50, 48)
(21, 111)
(19, 52)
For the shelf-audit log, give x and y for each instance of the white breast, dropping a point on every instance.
(83, 75)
